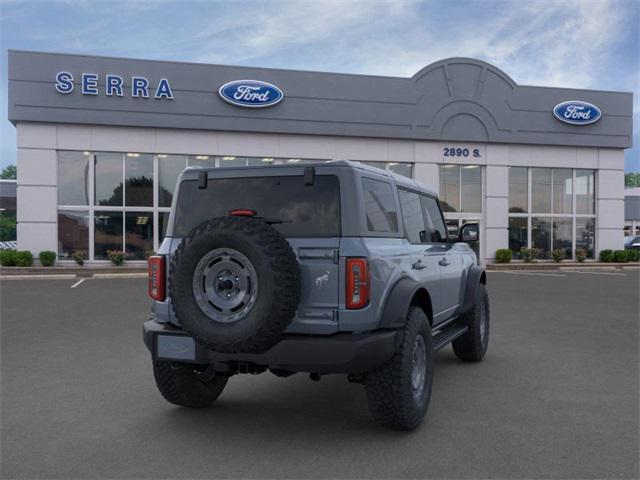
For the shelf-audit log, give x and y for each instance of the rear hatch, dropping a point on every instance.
(305, 211)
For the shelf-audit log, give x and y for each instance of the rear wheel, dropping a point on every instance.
(472, 346)
(188, 385)
(398, 394)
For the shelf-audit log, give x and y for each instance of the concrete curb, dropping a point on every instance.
(499, 267)
(55, 276)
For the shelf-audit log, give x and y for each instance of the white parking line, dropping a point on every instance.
(532, 273)
(598, 273)
(78, 283)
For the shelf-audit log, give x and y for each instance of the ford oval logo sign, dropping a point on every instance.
(251, 93)
(577, 112)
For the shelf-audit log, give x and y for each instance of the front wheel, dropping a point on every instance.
(187, 385)
(398, 394)
(472, 346)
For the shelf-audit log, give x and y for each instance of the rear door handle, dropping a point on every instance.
(418, 265)
(444, 262)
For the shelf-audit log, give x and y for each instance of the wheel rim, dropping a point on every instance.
(225, 285)
(483, 322)
(419, 367)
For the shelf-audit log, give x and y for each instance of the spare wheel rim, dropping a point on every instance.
(225, 285)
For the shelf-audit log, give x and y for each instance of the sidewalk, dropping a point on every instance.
(562, 266)
(75, 271)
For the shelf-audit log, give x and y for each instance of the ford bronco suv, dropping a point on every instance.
(323, 268)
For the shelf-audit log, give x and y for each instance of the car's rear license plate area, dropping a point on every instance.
(175, 347)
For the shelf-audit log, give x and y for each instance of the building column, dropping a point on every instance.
(36, 194)
(610, 200)
(496, 210)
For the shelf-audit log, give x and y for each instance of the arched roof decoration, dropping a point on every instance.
(447, 62)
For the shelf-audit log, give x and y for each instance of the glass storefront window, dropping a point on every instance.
(471, 188)
(585, 192)
(518, 190)
(562, 190)
(585, 235)
(450, 188)
(73, 178)
(231, 161)
(108, 179)
(541, 190)
(563, 235)
(541, 235)
(107, 233)
(201, 161)
(73, 233)
(138, 234)
(169, 167)
(404, 169)
(163, 221)
(138, 172)
(517, 235)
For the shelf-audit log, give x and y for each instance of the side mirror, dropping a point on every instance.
(469, 233)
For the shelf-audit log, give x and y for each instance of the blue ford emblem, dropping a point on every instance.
(577, 112)
(250, 93)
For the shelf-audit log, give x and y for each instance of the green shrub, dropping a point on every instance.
(47, 258)
(606, 255)
(620, 256)
(8, 258)
(526, 254)
(633, 255)
(80, 256)
(149, 253)
(503, 255)
(117, 257)
(24, 258)
(558, 255)
(581, 254)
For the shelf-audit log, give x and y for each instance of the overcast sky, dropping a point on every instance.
(566, 43)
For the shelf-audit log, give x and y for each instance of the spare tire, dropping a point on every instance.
(234, 284)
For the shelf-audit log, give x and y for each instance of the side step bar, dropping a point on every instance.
(447, 335)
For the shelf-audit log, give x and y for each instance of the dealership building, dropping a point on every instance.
(102, 140)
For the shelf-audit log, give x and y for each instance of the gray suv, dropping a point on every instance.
(323, 268)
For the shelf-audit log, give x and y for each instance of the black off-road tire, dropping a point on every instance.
(279, 284)
(472, 346)
(183, 384)
(390, 394)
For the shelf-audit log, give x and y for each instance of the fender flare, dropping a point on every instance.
(475, 276)
(398, 302)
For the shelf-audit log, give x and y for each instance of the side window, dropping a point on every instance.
(380, 208)
(436, 222)
(412, 216)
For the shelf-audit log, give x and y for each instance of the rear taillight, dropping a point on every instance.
(357, 282)
(156, 277)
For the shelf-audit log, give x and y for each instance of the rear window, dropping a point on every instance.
(305, 210)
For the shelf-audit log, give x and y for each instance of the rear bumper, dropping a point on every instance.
(339, 353)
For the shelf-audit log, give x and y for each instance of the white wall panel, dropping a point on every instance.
(307, 146)
(610, 184)
(497, 181)
(36, 135)
(73, 137)
(494, 239)
(36, 204)
(251, 145)
(610, 214)
(189, 142)
(37, 237)
(370, 149)
(400, 150)
(123, 139)
(37, 167)
(612, 158)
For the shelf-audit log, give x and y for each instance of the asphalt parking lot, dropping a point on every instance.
(556, 397)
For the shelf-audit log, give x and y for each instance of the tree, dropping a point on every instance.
(9, 173)
(632, 180)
